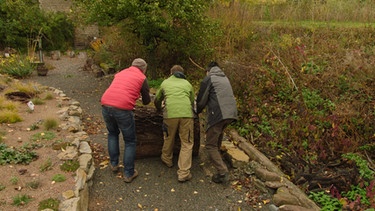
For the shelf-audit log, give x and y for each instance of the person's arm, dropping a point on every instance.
(145, 93)
(159, 97)
(203, 93)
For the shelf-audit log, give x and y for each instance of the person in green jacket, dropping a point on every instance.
(176, 98)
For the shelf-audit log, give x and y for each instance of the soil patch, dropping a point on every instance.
(34, 179)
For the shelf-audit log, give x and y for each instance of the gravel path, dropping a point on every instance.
(156, 187)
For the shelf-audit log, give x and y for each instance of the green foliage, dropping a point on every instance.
(363, 166)
(70, 165)
(162, 28)
(326, 202)
(17, 66)
(47, 135)
(19, 20)
(58, 178)
(59, 32)
(356, 192)
(22, 22)
(155, 83)
(50, 203)
(21, 200)
(314, 102)
(15, 156)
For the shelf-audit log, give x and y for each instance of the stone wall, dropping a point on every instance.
(55, 5)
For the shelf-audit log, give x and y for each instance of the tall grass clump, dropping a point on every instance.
(50, 123)
(17, 66)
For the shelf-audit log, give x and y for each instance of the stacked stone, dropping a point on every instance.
(78, 197)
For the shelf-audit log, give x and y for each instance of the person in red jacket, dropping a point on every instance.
(118, 102)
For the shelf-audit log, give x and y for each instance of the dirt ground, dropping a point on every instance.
(19, 179)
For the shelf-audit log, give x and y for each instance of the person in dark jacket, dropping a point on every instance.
(118, 102)
(216, 95)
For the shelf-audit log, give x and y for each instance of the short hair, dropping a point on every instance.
(211, 65)
(177, 68)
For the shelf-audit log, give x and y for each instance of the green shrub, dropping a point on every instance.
(17, 66)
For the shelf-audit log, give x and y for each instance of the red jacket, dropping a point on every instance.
(125, 89)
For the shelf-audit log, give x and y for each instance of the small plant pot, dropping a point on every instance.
(41, 69)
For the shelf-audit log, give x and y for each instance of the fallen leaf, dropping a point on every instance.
(140, 206)
(104, 163)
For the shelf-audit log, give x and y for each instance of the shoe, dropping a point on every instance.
(220, 178)
(114, 169)
(130, 179)
(187, 178)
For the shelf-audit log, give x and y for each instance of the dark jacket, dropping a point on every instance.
(216, 93)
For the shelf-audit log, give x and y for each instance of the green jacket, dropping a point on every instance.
(176, 97)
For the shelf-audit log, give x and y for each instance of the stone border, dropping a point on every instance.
(77, 198)
(269, 178)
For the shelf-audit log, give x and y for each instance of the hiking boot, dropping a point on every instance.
(114, 169)
(187, 178)
(220, 178)
(130, 179)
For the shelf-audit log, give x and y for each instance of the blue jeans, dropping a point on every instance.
(117, 120)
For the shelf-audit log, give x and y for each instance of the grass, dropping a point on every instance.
(48, 96)
(46, 165)
(50, 203)
(70, 165)
(33, 184)
(8, 116)
(14, 180)
(2, 187)
(50, 123)
(37, 101)
(21, 199)
(58, 178)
